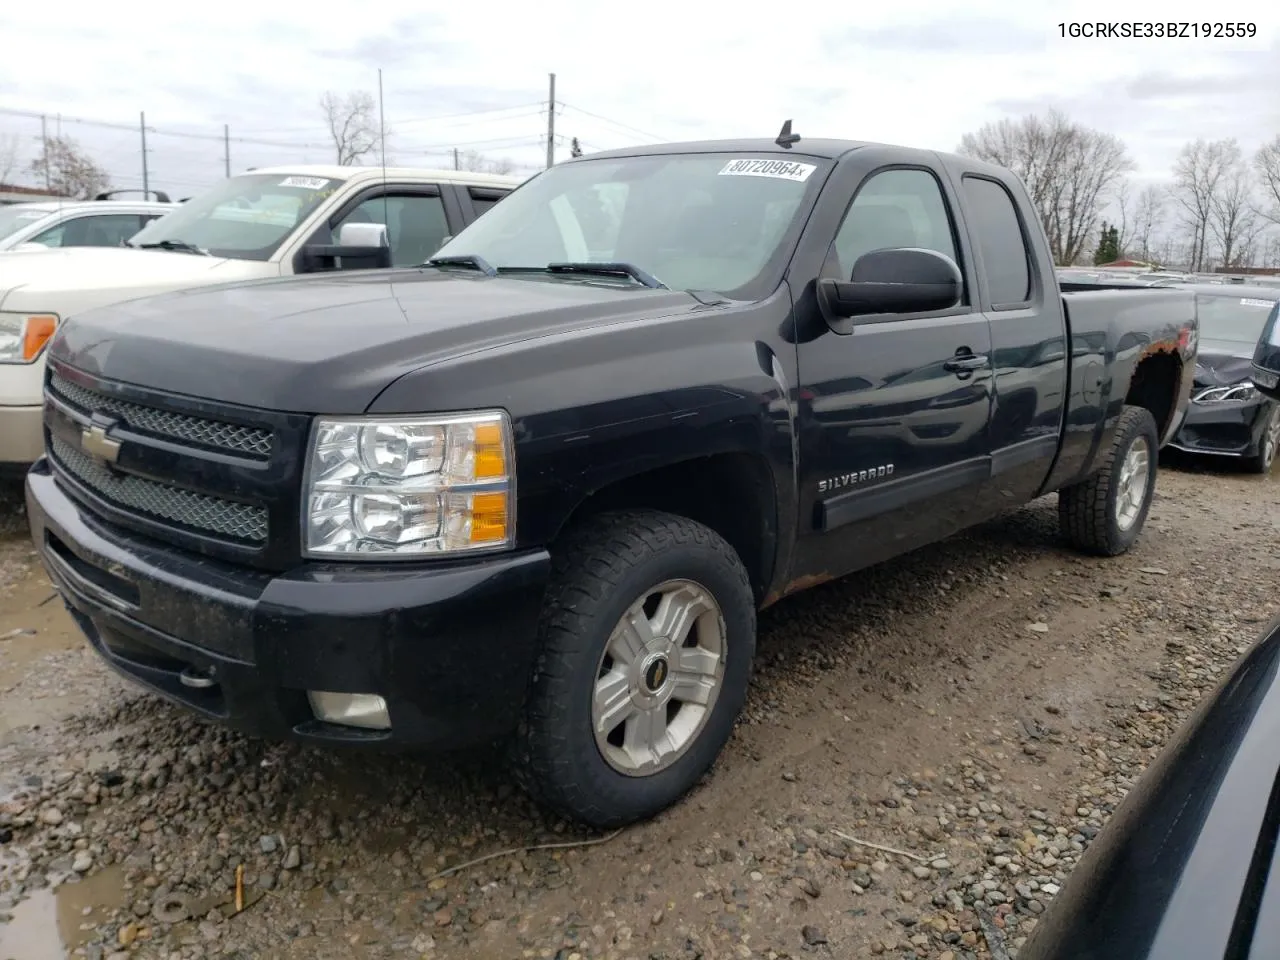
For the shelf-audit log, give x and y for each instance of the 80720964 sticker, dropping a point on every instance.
(776, 169)
(307, 183)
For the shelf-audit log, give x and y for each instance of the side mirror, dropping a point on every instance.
(897, 280)
(1266, 357)
(360, 246)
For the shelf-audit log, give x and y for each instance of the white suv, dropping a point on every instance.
(77, 223)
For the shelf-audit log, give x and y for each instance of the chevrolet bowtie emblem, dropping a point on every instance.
(95, 442)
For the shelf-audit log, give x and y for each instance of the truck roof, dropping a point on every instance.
(336, 172)
(822, 148)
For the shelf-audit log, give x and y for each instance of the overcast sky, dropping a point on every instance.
(474, 76)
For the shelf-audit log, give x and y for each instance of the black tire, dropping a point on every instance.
(1087, 512)
(1268, 445)
(598, 571)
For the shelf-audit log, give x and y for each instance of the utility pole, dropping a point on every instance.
(44, 144)
(226, 148)
(551, 124)
(146, 182)
(455, 159)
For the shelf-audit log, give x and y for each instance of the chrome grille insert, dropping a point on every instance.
(240, 522)
(213, 434)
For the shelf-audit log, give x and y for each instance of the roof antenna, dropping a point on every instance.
(786, 138)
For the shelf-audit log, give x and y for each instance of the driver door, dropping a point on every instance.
(894, 435)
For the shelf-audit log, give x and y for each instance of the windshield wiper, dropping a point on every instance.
(464, 260)
(180, 245)
(618, 269)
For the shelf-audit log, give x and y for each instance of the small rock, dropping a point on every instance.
(443, 917)
(127, 934)
(83, 862)
(1039, 627)
(267, 844)
(922, 873)
(812, 935)
(1156, 571)
(789, 777)
(293, 859)
(656, 919)
(51, 815)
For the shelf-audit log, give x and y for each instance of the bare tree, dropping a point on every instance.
(9, 144)
(1199, 175)
(1069, 170)
(1148, 212)
(68, 170)
(353, 125)
(477, 162)
(1267, 164)
(1124, 203)
(1232, 220)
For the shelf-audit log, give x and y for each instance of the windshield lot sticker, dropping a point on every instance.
(1247, 302)
(777, 169)
(307, 183)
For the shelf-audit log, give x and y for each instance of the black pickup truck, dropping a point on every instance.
(536, 490)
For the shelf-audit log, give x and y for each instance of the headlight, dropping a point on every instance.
(1236, 393)
(409, 486)
(23, 335)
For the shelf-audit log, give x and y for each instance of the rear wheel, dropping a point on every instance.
(647, 639)
(1105, 513)
(1268, 444)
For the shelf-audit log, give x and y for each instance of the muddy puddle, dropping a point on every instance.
(52, 923)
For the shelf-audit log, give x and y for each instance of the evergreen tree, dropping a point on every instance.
(1108, 246)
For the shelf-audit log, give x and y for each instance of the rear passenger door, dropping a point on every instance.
(894, 440)
(476, 201)
(1028, 339)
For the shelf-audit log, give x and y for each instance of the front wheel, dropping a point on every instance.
(1105, 513)
(1268, 444)
(646, 645)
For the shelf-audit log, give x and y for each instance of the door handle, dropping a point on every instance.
(965, 362)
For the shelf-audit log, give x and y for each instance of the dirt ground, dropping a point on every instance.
(978, 708)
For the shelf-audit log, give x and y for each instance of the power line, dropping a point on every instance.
(616, 123)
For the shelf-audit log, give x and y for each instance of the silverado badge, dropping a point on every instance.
(855, 477)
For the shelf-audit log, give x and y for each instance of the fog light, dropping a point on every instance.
(366, 710)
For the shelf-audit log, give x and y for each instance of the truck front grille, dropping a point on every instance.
(201, 513)
(254, 442)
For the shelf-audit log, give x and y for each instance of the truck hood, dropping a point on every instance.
(331, 343)
(1220, 363)
(76, 278)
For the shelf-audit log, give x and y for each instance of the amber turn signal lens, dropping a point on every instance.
(490, 456)
(488, 517)
(36, 333)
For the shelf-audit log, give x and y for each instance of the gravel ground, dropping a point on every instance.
(976, 710)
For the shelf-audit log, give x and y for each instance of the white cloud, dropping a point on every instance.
(918, 73)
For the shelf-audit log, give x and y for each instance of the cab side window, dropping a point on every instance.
(96, 230)
(1005, 258)
(895, 208)
(416, 224)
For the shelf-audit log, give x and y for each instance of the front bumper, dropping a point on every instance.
(1222, 429)
(21, 436)
(450, 647)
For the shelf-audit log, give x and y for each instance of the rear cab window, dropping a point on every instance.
(1002, 244)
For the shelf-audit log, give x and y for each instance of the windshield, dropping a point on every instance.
(1233, 318)
(707, 222)
(13, 219)
(245, 218)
